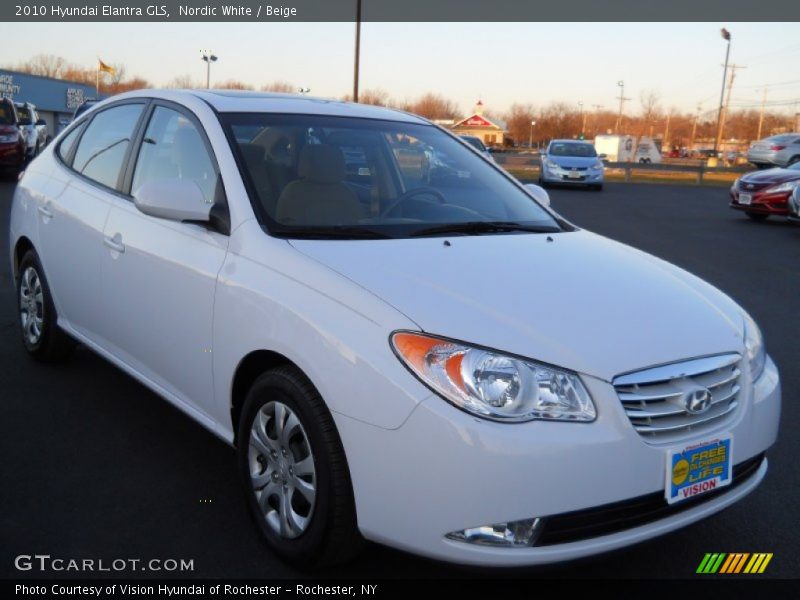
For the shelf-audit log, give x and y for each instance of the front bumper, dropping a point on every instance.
(444, 470)
(569, 177)
(763, 203)
(11, 155)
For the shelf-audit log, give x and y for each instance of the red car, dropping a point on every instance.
(12, 144)
(764, 193)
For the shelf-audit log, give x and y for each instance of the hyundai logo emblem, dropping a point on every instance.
(697, 401)
(749, 186)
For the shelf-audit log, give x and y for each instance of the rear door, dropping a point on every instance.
(159, 276)
(73, 212)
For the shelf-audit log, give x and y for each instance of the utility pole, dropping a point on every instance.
(724, 112)
(694, 128)
(665, 141)
(358, 51)
(761, 114)
(726, 35)
(621, 99)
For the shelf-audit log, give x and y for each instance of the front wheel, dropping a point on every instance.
(43, 338)
(294, 472)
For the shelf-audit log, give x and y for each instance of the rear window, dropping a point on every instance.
(782, 139)
(572, 149)
(24, 115)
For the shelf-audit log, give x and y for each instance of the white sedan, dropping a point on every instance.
(420, 354)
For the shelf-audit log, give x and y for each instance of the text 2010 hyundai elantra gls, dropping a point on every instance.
(415, 352)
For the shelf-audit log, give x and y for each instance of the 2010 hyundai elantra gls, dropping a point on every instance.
(415, 352)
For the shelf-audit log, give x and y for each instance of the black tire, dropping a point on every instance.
(36, 150)
(757, 216)
(332, 535)
(597, 187)
(52, 343)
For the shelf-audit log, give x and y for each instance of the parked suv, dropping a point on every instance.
(33, 128)
(422, 354)
(12, 142)
(776, 151)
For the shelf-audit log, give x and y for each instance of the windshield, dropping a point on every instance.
(572, 149)
(322, 176)
(6, 114)
(24, 115)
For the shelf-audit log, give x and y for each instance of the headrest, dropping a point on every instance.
(321, 164)
(253, 153)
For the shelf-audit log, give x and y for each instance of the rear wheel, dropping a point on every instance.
(41, 335)
(294, 472)
(757, 216)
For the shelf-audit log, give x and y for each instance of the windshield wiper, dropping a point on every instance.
(479, 227)
(332, 232)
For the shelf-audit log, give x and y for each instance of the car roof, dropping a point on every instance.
(242, 101)
(571, 141)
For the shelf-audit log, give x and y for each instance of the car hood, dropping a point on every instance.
(573, 161)
(580, 301)
(771, 176)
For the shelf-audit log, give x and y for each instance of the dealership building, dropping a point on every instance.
(55, 99)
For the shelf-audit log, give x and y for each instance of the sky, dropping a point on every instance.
(499, 63)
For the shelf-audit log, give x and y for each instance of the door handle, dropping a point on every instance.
(45, 212)
(114, 243)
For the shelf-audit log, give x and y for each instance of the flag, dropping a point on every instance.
(101, 66)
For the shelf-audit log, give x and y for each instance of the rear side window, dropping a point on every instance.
(102, 148)
(66, 145)
(173, 148)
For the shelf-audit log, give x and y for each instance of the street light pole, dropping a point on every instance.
(622, 99)
(583, 119)
(208, 57)
(530, 136)
(726, 35)
(358, 51)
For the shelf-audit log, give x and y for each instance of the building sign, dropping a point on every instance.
(476, 121)
(75, 97)
(8, 89)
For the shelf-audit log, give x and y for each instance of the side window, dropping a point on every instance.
(102, 148)
(66, 145)
(173, 148)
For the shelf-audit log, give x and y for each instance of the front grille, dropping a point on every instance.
(751, 188)
(655, 399)
(619, 516)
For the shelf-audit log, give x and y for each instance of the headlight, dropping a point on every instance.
(784, 187)
(492, 385)
(735, 183)
(8, 138)
(552, 165)
(754, 347)
(597, 166)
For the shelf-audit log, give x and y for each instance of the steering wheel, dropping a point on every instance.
(420, 191)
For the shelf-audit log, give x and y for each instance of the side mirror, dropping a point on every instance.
(41, 123)
(173, 199)
(602, 156)
(539, 193)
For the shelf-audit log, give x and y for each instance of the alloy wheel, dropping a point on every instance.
(31, 305)
(282, 471)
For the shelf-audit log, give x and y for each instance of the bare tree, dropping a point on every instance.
(280, 86)
(434, 106)
(518, 120)
(649, 100)
(182, 82)
(47, 65)
(375, 96)
(233, 84)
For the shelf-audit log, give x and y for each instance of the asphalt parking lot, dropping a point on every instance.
(96, 466)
